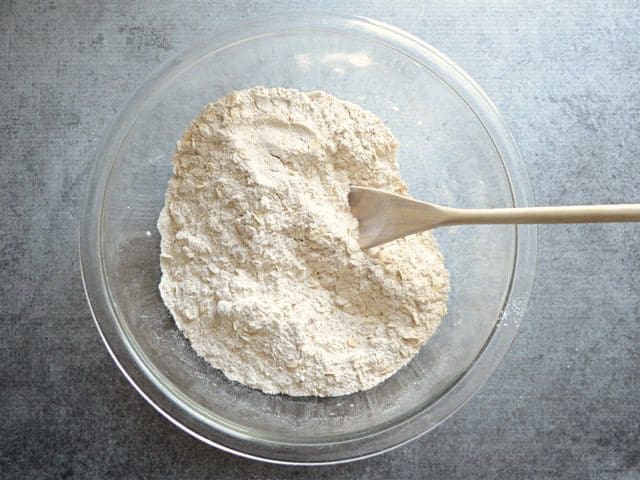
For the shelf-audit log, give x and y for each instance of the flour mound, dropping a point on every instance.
(261, 267)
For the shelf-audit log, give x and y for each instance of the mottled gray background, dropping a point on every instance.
(566, 401)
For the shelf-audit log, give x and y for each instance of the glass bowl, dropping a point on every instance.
(454, 150)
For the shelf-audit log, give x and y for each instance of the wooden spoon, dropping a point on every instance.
(384, 216)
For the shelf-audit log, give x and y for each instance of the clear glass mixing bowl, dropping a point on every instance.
(455, 150)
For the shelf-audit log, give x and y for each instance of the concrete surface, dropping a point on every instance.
(566, 401)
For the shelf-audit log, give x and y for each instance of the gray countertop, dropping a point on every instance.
(565, 403)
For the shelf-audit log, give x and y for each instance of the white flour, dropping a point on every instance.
(261, 267)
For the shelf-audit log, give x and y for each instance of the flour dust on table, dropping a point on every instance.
(261, 267)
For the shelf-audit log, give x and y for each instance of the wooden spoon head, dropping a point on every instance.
(384, 216)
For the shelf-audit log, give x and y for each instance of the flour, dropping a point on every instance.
(259, 254)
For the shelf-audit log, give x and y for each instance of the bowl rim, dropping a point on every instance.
(165, 402)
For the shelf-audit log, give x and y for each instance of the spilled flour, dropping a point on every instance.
(261, 267)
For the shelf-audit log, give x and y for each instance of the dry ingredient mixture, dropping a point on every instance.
(260, 263)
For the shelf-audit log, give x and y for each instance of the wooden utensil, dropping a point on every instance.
(384, 216)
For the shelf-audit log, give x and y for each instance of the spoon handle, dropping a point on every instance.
(573, 214)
